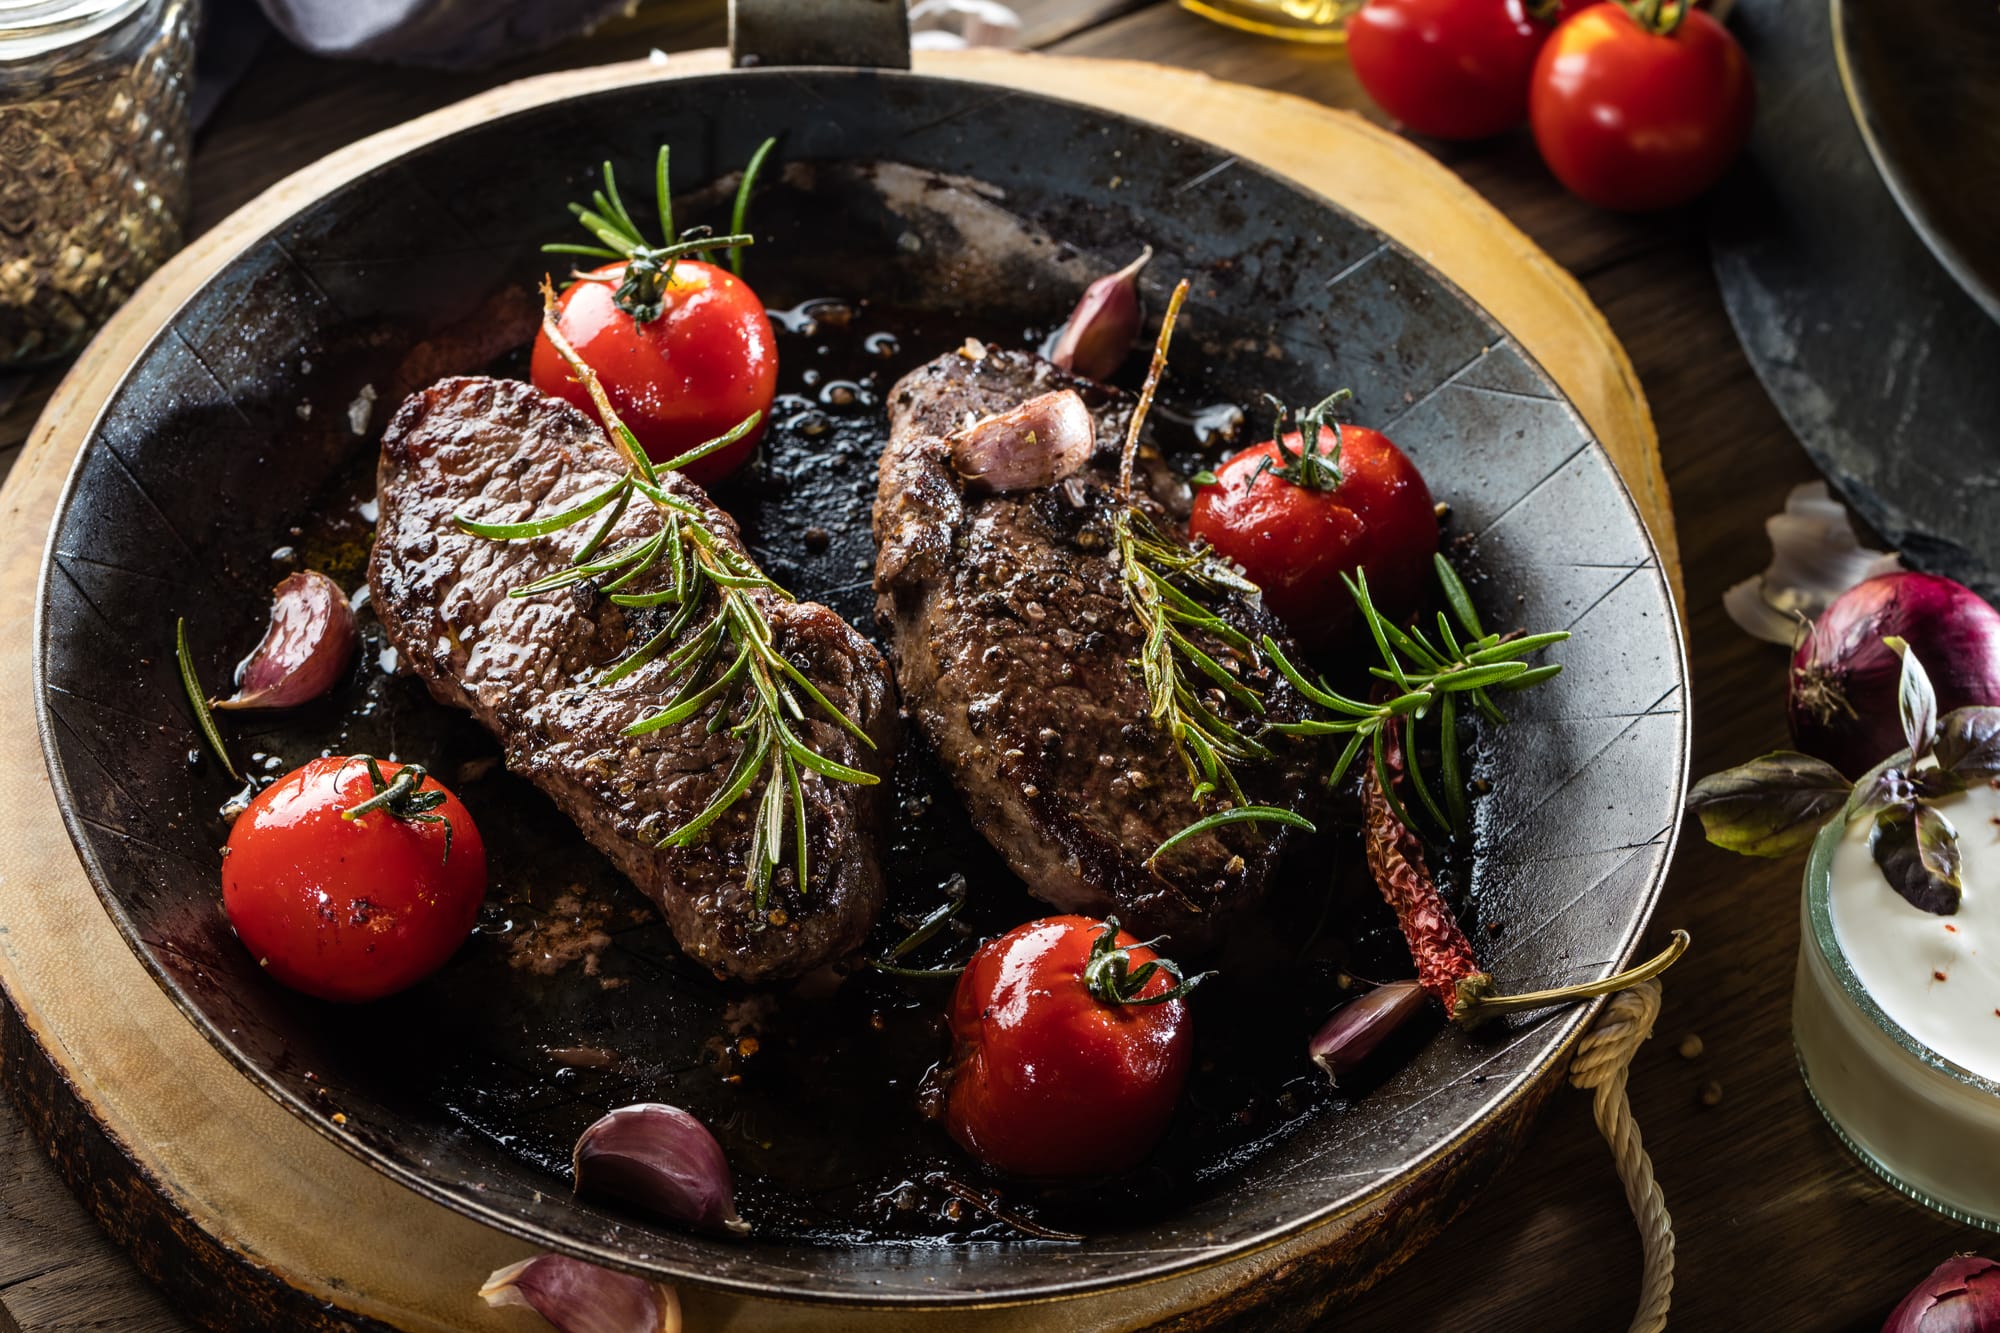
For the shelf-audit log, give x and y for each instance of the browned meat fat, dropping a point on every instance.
(1012, 641)
(498, 451)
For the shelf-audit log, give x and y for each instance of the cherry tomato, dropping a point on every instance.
(1055, 1074)
(353, 909)
(677, 381)
(1633, 119)
(1295, 538)
(1451, 69)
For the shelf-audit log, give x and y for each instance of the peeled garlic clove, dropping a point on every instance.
(1104, 324)
(582, 1298)
(1348, 1038)
(663, 1160)
(306, 649)
(1028, 447)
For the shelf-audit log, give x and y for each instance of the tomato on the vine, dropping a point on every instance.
(686, 375)
(1451, 69)
(1297, 520)
(350, 878)
(1637, 115)
(1072, 1045)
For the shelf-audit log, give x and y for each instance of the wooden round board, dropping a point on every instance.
(252, 1219)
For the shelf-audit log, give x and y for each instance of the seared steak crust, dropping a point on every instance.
(1012, 641)
(499, 452)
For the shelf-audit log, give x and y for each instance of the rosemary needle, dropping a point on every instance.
(198, 700)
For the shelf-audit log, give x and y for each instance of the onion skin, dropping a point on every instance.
(306, 649)
(1961, 1295)
(1842, 700)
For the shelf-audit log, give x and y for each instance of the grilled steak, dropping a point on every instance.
(1013, 643)
(500, 452)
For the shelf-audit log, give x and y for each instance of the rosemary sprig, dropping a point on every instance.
(1421, 677)
(1169, 587)
(921, 935)
(649, 269)
(732, 659)
(198, 700)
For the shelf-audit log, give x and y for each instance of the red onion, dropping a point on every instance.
(1843, 682)
(1961, 1295)
(306, 649)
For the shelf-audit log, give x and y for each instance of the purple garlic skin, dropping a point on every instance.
(306, 649)
(662, 1160)
(1028, 447)
(1960, 1295)
(1346, 1040)
(579, 1297)
(1104, 325)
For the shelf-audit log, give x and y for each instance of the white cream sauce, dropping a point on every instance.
(1937, 976)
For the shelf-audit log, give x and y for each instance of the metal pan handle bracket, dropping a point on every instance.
(820, 32)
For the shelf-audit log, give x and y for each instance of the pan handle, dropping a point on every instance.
(820, 32)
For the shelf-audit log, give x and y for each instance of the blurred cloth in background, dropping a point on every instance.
(458, 34)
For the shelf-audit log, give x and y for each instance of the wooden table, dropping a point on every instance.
(1778, 1229)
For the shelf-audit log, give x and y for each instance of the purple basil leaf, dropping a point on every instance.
(1968, 743)
(1915, 700)
(1930, 783)
(1886, 784)
(1917, 849)
(1771, 806)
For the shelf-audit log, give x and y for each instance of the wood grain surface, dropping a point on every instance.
(1777, 1228)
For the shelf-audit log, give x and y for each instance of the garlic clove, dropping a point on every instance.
(660, 1159)
(1028, 447)
(1104, 325)
(1358, 1027)
(1815, 557)
(579, 1297)
(306, 649)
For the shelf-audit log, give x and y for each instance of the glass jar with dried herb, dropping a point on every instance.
(93, 162)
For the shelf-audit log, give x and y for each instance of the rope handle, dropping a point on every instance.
(1603, 1061)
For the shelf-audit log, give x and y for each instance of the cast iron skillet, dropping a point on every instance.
(238, 445)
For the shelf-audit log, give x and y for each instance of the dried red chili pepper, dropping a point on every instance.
(1446, 966)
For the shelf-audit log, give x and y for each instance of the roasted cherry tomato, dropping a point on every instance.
(1296, 523)
(1632, 118)
(1072, 1046)
(1452, 69)
(350, 879)
(694, 372)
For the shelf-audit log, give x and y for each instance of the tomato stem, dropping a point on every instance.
(1110, 976)
(1306, 467)
(1660, 17)
(402, 798)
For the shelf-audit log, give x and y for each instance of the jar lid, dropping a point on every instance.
(36, 27)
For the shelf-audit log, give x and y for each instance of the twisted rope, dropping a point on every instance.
(1603, 1060)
